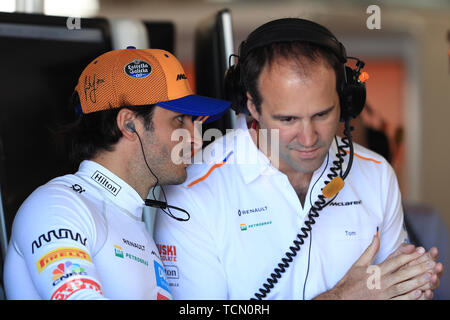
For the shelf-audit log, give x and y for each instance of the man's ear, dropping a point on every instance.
(251, 107)
(126, 119)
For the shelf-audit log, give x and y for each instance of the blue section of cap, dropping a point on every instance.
(78, 110)
(197, 106)
(131, 47)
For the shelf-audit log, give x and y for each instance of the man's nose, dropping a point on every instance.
(196, 136)
(307, 136)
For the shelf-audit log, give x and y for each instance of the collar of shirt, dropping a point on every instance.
(253, 163)
(247, 155)
(112, 187)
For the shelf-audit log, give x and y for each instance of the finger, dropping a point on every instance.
(369, 254)
(405, 248)
(433, 284)
(410, 272)
(413, 295)
(403, 287)
(417, 261)
(434, 253)
(439, 269)
(429, 295)
(394, 263)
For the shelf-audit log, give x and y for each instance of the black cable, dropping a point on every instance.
(310, 202)
(156, 203)
(319, 205)
(309, 260)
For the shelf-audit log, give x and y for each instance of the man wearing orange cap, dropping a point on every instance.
(81, 236)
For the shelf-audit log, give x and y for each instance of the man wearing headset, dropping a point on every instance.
(81, 236)
(264, 226)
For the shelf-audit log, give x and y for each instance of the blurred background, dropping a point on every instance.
(46, 43)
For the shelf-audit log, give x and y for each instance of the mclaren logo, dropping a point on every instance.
(345, 204)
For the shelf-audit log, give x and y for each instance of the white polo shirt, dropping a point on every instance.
(244, 218)
(81, 236)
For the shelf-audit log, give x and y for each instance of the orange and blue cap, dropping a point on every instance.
(140, 77)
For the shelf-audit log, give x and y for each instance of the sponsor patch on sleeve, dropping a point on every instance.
(61, 253)
(70, 287)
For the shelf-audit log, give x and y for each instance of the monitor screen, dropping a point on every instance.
(213, 47)
(161, 35)
(42, 58)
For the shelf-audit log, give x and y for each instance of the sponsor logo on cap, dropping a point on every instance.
(138, 69)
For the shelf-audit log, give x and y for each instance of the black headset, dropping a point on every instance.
(352, 96)
(352, 91)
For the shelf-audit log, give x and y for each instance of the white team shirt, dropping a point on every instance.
(244, 218)
(81, 236)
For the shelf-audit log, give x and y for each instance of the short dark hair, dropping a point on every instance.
(98, 131)
(257, 58)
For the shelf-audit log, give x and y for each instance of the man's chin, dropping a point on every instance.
(179, 176)
(305, 166)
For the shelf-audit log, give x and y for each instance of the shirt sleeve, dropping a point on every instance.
(54, 235)
(393, 232)
(189, 249)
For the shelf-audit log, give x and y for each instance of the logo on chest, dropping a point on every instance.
(120, 253)
(167, 252)
(258, 210)
(346, 203)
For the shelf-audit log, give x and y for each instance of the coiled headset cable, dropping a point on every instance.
(331, 189)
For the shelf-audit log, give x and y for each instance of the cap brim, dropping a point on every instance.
(197, 106)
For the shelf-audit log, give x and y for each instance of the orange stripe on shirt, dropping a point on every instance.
(217, 165)
(364, 158)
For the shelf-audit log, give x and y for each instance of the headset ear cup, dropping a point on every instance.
(234, 90)
(353, 96)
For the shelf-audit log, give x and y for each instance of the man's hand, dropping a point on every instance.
(397, 279)
(436, 273)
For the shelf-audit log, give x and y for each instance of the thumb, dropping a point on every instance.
(369, 254)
